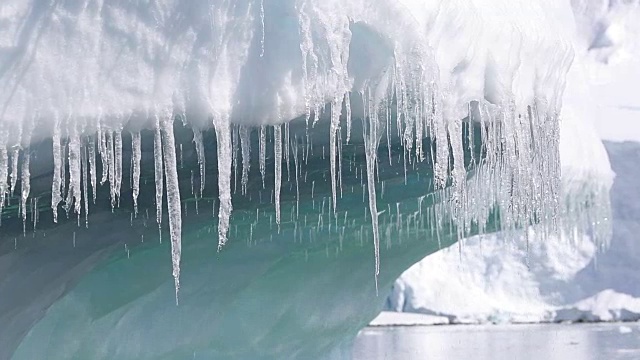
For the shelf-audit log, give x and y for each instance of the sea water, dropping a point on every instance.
(500, 342)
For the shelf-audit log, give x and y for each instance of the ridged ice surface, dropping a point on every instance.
(85, 72)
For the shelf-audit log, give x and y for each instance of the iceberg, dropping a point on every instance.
(324, 147)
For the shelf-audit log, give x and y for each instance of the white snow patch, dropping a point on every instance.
(388, 318)
(625, 330)
(607, 305)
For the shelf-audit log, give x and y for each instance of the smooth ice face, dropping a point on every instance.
(84, 72)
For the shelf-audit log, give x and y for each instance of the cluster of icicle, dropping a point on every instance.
(519, 175)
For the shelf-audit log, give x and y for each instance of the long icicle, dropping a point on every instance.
(277, 152)
(245, 146)
(286, 151)
(15, 155)
(74, 197)
(297, 175)
(159, 180)
(4, 170)
(173, 196)
(197, 140)
(263, 152)
(235, 154)
(85, 185)
(347, 104)
(63, 171)
(92, 167)
(370, 123)
(223, 141)
(112, 169)
(333, 147)
(104, 155)
(57, 170)
(25, 183)
(25, 174)
(117, 143)
(135, 160)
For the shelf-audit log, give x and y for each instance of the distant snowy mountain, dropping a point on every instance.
(567, 278)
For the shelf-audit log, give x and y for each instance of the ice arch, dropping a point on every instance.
(376, 93)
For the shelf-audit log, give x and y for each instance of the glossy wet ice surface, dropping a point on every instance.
(500, 342)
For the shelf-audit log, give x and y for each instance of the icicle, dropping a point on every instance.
(35, 214)
(104, 155)
(197, 206)
(287, 149)
(370, 134)
(173, 196)
(85, 186)
(131, 166)
(111, 163)
(441, 165)
(223, 140)
(419, 134)
(159, 180)
(458, 174)
(135, 160)
(388, 132)
(197, 140)
(297, 176)
(25, 183)
(340, 162)
(245, 146)
(14, 169)
(277, 151)
(57, 170)
(347, 104)
(4, 170)
(74, 197)
(193, 193)
(63, 172)
(92, 167)
(234, 156)
(25, 174)
(263, 152)
(333, 149)
(118, 164)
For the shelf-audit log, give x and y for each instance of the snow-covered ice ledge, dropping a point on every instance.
(81, 73)
(106, 85)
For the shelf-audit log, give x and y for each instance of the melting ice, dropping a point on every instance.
(481, 97)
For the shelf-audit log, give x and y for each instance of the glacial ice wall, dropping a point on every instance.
(82, 72)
